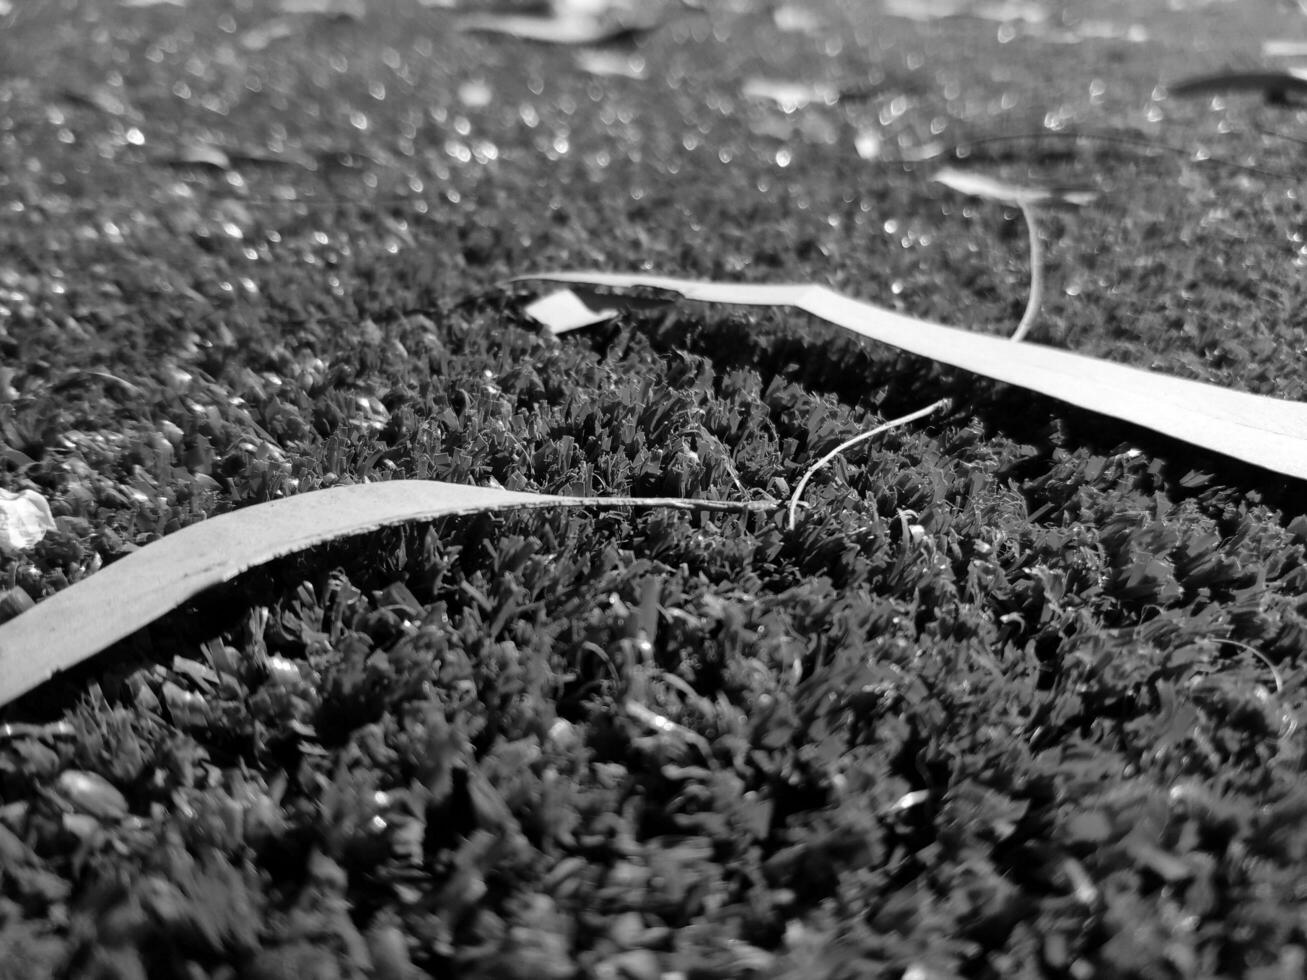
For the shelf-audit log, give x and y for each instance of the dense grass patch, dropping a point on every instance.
(1019, 696)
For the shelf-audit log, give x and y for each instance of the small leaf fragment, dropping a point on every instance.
(25, 519)
(992, 188)
(790, 96)
(569, 27)
(611, 64)
(562, 311)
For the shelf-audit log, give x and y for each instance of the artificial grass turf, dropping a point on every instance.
(1019, 696)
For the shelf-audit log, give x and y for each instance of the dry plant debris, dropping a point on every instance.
(1019, 695)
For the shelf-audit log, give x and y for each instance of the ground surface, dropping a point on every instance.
(1021, 695)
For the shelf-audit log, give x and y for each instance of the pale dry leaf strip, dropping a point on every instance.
(1257, 429)
(87, 617)
(996, 189)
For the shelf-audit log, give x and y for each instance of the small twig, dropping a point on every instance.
(1249, 648)
(943, 403)
(1036, 274)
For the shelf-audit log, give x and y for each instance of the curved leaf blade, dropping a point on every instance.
(1267, 432)
(89, 616)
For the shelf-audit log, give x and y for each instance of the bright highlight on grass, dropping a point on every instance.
(848, 444)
